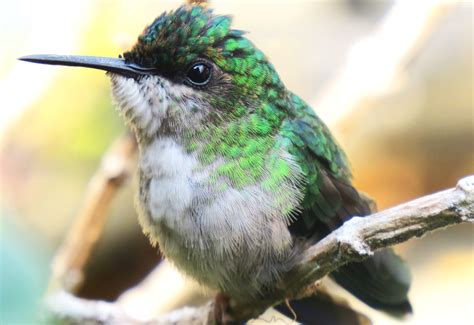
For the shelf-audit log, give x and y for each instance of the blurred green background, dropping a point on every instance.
(55, 123)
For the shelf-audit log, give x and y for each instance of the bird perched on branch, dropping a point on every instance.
(237, 175)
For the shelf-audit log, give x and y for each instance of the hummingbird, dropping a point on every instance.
(237, 175)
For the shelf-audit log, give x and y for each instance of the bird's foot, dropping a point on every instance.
(230, 311)
(221, 309)
(287, 303)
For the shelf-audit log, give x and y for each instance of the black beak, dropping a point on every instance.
(118, 66)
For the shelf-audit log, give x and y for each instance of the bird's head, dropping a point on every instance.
(188, 70)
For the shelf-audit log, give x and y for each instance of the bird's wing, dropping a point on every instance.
(381, 281)
(329, 197)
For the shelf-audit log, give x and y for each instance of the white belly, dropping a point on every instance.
(234, 240)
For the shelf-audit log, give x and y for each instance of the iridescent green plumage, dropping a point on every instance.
(252, 109)
(175, 40)
(254, 117)
(257, 104)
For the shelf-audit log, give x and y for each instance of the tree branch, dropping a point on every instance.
(356, 240)
(359, 237)
(64, 305)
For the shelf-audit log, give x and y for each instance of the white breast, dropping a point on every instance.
(220, 235)
(170, 170)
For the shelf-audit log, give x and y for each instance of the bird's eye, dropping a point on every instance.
(199, 74)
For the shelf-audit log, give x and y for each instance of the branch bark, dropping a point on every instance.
(356, 240)
(359, 237)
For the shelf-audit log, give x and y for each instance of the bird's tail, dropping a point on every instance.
(381, 281)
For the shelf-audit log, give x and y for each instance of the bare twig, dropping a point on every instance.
(72, 256)
(357, 239)
(66, 306)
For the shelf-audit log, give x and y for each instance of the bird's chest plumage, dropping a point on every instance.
(218, 233)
